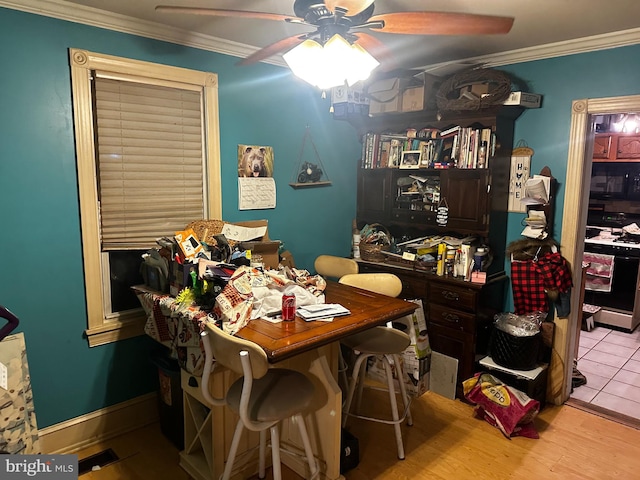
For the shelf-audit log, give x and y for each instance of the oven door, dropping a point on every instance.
(623, 285)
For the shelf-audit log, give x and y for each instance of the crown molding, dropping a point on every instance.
(94, 17)
(594, 43)
(73, 12)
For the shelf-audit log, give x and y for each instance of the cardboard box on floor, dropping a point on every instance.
(416, 368)
(416, 371)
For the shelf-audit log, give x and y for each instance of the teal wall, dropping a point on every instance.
(606, 73)
(42, 277)
(42, 272)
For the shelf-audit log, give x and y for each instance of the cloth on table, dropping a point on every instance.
(252, 293)
(599, 272)
(174, 325)
(532, 279)
(177, 325)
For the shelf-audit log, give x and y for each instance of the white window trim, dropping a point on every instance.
(100, 329)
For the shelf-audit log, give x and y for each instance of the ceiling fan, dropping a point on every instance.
(352, 19)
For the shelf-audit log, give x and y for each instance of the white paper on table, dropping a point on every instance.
(255, 193)
(242, 234)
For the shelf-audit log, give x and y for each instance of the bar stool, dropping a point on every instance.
(384, 343)
(262, 398)
(330, 266)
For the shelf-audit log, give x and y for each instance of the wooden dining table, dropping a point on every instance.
(287, 339)
(311, 348)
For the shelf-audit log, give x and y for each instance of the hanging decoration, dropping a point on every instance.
(442, 215)
(520, 173)
(309, 173)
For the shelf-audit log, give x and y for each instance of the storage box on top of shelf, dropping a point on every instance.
(385, 94)
(345, 110)
(524, 99)
(349, 101)
(421, 97)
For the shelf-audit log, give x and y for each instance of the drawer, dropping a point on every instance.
(413, 216)
(443, 293)
(452, 318)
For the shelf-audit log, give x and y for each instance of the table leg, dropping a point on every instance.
(324, 421)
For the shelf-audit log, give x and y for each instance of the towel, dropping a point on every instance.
(599, 272)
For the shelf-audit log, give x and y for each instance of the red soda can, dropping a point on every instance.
(288, 307)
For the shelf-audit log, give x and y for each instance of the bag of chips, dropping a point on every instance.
(504, 407)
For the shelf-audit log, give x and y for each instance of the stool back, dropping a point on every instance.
(330, 266)
(383, 283)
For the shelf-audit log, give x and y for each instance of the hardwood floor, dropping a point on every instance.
(446, 441)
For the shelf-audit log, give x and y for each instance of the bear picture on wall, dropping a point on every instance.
(255, 161)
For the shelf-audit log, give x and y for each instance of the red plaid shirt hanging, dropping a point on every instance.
(530, 281)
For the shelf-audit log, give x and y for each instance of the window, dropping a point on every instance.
(148, 161)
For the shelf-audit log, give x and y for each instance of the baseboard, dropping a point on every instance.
(86, 430)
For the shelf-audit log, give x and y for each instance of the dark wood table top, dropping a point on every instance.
(286, 339)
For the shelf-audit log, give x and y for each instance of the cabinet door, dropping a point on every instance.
(602, 147)
(374, 195)
(628, 147)
(456, 344)
(467, 194)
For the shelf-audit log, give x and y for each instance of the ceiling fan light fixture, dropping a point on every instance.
(302, 60)
(331, 64)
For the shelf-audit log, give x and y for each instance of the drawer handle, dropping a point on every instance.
(450, 295)
(451, 317)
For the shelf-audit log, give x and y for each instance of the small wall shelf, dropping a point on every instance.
(310, 184)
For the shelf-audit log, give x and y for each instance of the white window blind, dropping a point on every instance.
(150, 162)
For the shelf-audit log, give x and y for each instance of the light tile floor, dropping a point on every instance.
(610, 360)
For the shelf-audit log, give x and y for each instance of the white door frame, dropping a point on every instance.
(574, 218)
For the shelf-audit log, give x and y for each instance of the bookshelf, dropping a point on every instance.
(405, 200)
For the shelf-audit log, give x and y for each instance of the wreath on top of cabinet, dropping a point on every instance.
(473, 90)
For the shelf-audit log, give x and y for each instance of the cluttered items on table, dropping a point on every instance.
(232, 272)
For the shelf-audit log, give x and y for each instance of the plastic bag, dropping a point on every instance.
(519, 325)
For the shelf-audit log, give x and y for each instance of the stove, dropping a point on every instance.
(619, 301)
(612, 242)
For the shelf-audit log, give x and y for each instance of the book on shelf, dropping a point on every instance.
(450, 131)
(464, 147)
(382, 150)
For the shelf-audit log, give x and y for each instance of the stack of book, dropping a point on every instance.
(455, 147)
(469, 147)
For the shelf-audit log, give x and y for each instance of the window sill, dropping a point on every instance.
(115, 330)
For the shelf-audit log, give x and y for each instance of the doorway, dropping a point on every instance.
(576, 199)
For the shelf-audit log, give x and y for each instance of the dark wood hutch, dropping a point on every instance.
(459, 313)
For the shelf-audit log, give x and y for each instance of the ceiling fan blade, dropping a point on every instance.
(377, 49)
(353, 7)
(280, 46)
(215, 12)
(442, 23)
